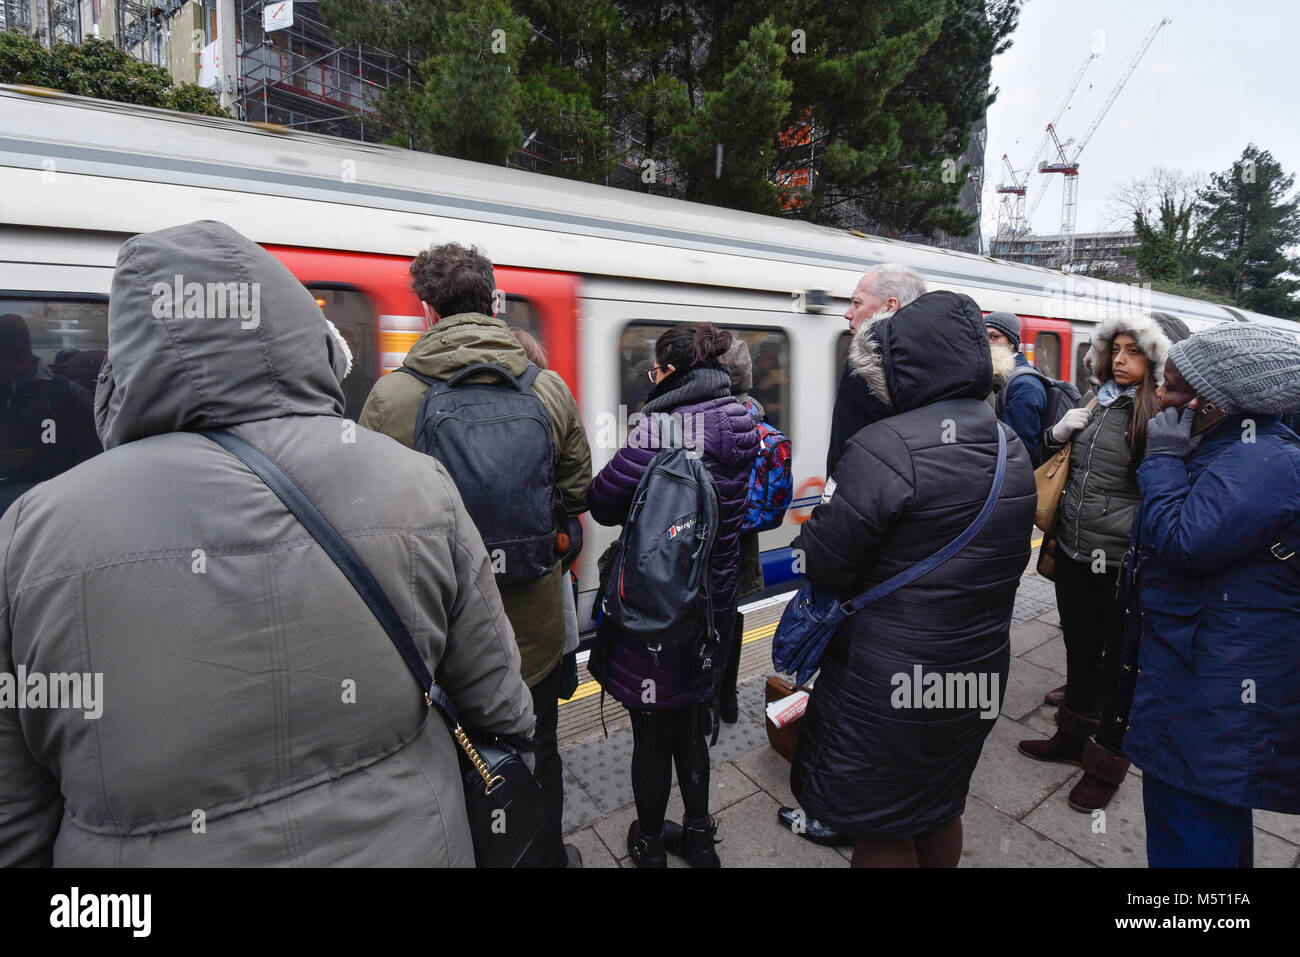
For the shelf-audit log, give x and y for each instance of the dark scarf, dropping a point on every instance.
(688, 387)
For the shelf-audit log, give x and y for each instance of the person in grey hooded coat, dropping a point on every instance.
(251, 710)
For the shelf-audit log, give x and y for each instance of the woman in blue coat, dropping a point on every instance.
(1215, 721)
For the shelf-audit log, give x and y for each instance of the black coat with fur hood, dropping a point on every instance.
(876, 757)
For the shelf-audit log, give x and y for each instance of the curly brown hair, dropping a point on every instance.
(453, 279)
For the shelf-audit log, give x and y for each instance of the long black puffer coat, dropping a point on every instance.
(876, 756)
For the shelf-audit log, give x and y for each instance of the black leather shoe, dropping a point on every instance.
(811, 829)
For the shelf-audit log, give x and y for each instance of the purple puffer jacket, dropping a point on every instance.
(730, 445)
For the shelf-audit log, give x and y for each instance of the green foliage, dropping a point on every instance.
(744, 117)
(1246, 225)
(879, 94)
(1167, 249)
(97, 68)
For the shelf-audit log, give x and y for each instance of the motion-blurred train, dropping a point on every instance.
(595, 273)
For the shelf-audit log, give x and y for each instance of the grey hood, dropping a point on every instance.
(206, 329)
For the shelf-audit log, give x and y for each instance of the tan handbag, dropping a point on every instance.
(1050, 477)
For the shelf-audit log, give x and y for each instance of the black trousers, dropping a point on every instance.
(548, 847)
(1092, 622)
(660, 739)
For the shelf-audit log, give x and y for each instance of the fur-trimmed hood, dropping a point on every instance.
(1004, 363)
(1154, 334)
(933, 349)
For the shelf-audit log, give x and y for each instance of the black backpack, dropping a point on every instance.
(1062, 396)
(496, 442)
(654, 584)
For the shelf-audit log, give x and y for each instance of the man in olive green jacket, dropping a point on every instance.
(456, 286)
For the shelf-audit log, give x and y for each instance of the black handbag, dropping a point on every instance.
(503, 800)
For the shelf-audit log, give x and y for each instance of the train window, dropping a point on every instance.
(349, 309)
(1082, 374)
(520, 313)
(1047, 354)
(51, 348)
(769, 350)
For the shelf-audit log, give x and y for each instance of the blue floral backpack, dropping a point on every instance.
(771, 481)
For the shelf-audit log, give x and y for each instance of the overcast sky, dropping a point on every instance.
(1221, 75)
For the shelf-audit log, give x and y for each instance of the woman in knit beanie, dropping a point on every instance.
(1215, 721)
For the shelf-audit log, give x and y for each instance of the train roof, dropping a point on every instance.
(257, 177)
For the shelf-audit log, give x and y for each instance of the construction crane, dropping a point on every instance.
(1011, 215)
(1068, 166)
(1012, 221)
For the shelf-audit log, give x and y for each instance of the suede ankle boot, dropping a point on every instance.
(1066, 746)
(1104, 772)
(645, 851)
(693, 841)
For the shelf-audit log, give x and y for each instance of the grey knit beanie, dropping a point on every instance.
(741, 367)
(1007, 323)
(1242, 368)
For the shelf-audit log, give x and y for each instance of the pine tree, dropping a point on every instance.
(1246, 226)
(728, 146)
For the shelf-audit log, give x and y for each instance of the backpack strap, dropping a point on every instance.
(427, 380)
(948, 551)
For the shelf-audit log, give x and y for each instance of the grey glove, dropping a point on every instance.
(1170, 433)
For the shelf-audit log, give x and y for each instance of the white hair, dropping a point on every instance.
(898, 281)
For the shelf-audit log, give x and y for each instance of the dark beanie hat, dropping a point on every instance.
(1007, 323)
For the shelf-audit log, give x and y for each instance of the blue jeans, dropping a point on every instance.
(1186, 830)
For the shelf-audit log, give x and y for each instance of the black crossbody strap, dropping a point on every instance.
(295, 499)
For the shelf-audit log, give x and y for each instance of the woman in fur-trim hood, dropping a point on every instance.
(1107, 432)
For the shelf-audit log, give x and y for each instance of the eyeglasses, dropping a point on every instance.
(650, 373)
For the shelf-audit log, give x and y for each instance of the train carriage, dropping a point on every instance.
(594, 273)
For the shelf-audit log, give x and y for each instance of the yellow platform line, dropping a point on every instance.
(589, 688)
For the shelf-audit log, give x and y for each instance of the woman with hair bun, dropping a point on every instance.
(691, 384)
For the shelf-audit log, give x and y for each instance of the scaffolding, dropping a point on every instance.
(301, 77)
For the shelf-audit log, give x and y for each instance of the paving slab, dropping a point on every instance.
(1050, 655)
(727, 785)
(769, 771)
(1052, 617)
(1285, 826)
(579, 808)
(1026, 685)
(1028, 635)
(1115, 837)
(1042, 719)
(1009, 781)
(752, 837)
(593, 849)
(992, 839)
(1035, 597)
